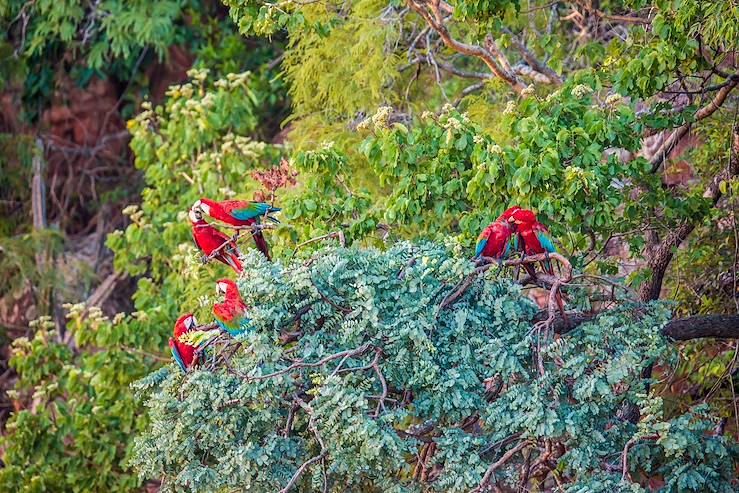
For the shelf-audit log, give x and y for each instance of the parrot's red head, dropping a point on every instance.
(184, 323)
(522, 216)
(507, 214)
(226, 287)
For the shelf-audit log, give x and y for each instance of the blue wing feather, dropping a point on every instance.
(178, 358)
(255, 210)
(546, 242)
(480, 247)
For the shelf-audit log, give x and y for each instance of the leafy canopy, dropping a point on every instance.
(376, 361)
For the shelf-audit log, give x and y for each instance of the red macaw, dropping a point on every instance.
(208, 239)
(534, 238)
(184, 354)
(498, 239)
(231, 315)
(240, 213)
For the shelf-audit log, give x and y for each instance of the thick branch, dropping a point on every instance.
(531, 59)
(700, 326)
(661, 256)
(495, 465)
(299, 365)
(677, 135)
(435, 20)
(679, 329)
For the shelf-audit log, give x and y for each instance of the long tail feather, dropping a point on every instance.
(262, 244)
(232, 261)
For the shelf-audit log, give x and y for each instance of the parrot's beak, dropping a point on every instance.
(190, 323)
(511, 219)
(194, 215)
(220, 289)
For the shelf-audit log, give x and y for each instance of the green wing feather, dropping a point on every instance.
(197, 338)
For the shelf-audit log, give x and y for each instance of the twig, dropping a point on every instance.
(299, 365)
(495, 465)
(336, 234)
(328, 300)
(383, 396)
(320, 457)
(625, 453)
(531, 259)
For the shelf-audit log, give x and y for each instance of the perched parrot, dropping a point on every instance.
(231, 314)
(534, 238)
(498, 239)
(183, 353)
(208, 239)
(240, 213)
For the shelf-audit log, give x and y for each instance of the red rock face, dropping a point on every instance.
(83, 116)
(173, 70)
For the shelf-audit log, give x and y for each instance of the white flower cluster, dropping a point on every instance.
(496, 150)
(452, 124)
(238, 144)
(74, 310)
(552, 96)
(382, 117)
(198, 74)
(528, 91)
(96, 316)
(581, 90)
(233, 81)
(510, 108)
(364, 125)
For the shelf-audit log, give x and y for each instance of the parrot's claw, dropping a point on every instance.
(204, 259)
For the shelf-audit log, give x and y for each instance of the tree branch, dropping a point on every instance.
(679, 329)
(661, 256)
(436, 22)
(677, 135)
(531, 59)
(495, 465)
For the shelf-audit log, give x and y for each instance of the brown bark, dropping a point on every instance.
(680, 329)
(661, 255)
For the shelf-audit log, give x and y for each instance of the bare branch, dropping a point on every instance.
(678, 134)
(531, 59)
(625, 453)
(322, 454)
(497, 464)
(434, 18)
(336, 234)
(300, 365)
(661, 255)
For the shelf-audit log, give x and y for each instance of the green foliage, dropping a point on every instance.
(558, 149)
(231, 422)
(76, 436)
(73, 436)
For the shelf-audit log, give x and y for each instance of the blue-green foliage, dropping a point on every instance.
(225, 429)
